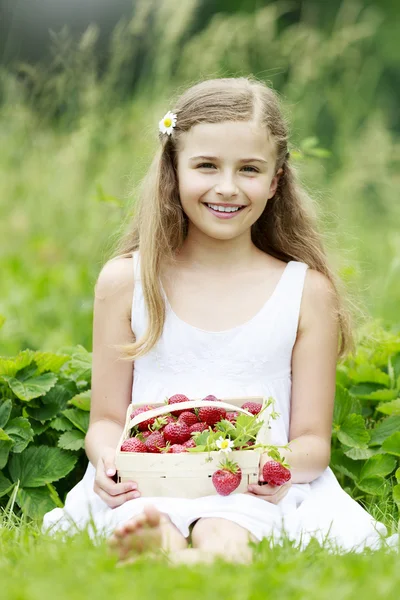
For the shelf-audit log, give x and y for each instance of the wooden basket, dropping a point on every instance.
(186, 475)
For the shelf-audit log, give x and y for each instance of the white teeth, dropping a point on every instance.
(224, 208)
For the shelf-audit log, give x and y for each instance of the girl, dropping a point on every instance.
(220, 287)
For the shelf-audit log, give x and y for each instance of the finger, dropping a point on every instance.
(108, 459)
(115, 501)
(115, 489)
(263, 490)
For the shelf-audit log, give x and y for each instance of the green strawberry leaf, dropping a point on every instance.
(342, 407)
(47, 361)
(72, 440)
(383, 430)
(361, 453)
(396, 494)
(353, 432)
(38, 465)
(81, 400)
(5, 411)
(5, 446)
(21, 432)
(61, 424)
(369, 373)
(79, 418)
(392, 444)
(397, 475)
(11, 366)
(35, 502)
(31, 388)
(381, 464)
(390, 408)
(5, 485)
(44, 412)
(372, 485)
(342, 464)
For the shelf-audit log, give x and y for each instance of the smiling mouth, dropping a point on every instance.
(226, 209)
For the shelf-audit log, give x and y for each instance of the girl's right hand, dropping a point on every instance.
(113, 494)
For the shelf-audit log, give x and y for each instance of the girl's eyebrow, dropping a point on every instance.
(215, 158)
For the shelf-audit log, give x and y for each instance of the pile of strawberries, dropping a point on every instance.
(173, 433)
(176, 432)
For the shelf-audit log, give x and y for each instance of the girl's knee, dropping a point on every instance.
(212, 532)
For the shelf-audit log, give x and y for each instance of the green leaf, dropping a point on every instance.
(21, 432)
(35, 502)
(361, 453)
(390, 408)
(5, 445)
(397, 475)
(353, 432)
(79, 368)
(5, 485)
(372, 485)
(38, 428)
(343, 402)
(82, 400)
(346, 466)
(381, 464)
(79, 418)
(384, 429)
(392, 444)
(363, 390)
(72, 440)
(33, 387)
(369, 373)
(382, 395)
(44, 412)
(38, 465)
(61, 424)
(11, 366)
(47, 361)
(5, 411)
(396, 494)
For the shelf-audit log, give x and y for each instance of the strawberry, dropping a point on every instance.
(274, 473)
(145, 424)
(155, 442)
(133, 445)
(145, 434)
(189, 443)
(232, 416)
(210, 398)
(227, 479)
(198, 427)
(188, 417)
(161, 422)
(211, 414)
(177, 449)
(176, 399)
(176, 433)
(253, 407)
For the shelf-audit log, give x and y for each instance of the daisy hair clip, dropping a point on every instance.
(167, 123)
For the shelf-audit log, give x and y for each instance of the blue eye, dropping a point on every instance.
(205, 165)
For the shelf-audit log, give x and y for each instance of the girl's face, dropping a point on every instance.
(230, 164)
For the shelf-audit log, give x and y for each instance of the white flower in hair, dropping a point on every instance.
(167, 123)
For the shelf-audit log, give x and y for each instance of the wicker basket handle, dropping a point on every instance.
(162, 410)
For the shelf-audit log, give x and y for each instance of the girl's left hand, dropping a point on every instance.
(270, 493)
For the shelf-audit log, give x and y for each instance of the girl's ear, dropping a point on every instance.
(274, 183)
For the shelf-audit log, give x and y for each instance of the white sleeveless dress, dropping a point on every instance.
(253, 359)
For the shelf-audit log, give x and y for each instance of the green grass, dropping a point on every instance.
(34, 566)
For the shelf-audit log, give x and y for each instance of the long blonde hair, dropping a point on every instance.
(286, 229)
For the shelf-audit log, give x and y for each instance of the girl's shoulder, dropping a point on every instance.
(115, 281)
(319, 297)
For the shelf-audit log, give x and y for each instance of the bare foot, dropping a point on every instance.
(137, 536)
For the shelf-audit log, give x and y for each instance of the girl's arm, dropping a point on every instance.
(111, 378)
(313, 389)
(314, 361)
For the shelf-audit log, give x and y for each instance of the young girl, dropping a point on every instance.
(221, 287)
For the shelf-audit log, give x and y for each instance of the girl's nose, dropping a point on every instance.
(226, 186)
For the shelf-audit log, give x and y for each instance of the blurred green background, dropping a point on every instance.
(83, 86)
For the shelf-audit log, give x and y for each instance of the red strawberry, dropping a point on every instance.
(189, 443)
(155, 442)
(133, 445)
(210, 398)
(161, 422)
(176, 433)
(232, 416)
(198, 427)
(188, 417)
(227, 479)
(211, 414)
(176, 399)
(275, 474)
(145, 424)
(145, 434)
(253, 407)
(177, 448)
